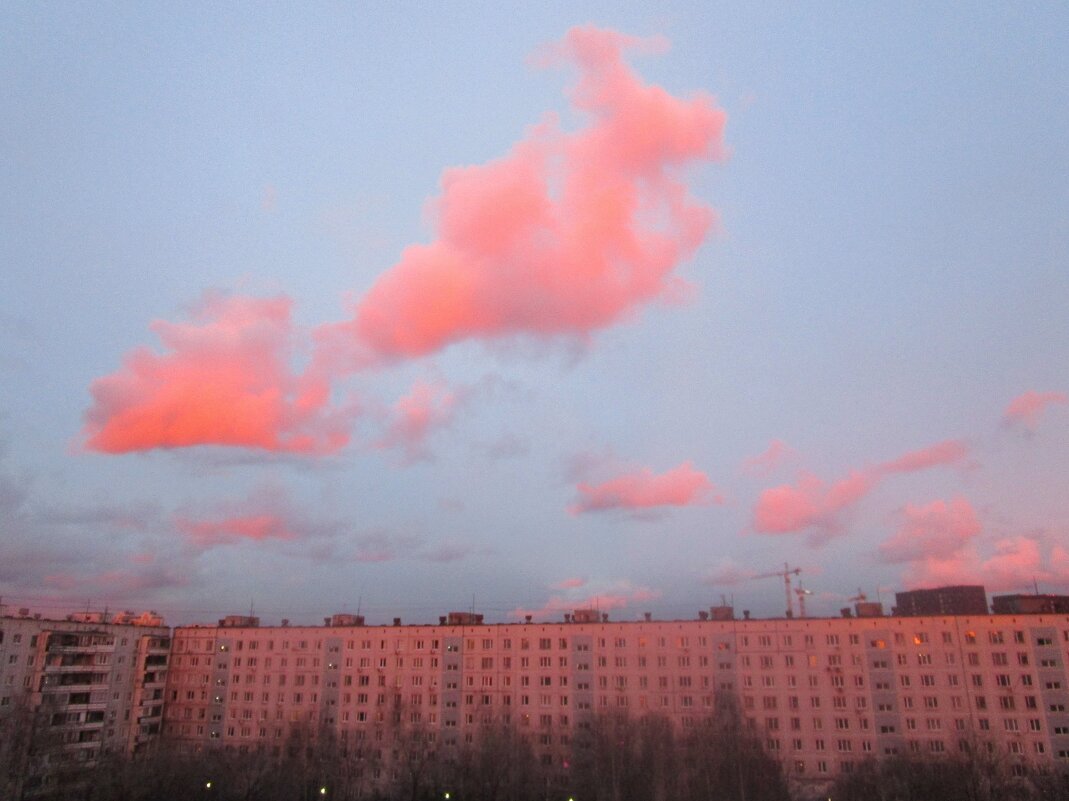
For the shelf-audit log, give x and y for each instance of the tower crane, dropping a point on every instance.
(785, 574)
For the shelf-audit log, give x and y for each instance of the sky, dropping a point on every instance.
(402, 309)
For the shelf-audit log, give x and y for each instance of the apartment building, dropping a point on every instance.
(71, 690)
(824, 693)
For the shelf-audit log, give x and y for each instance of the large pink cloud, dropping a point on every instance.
(811, 503)
(568, 233)
(224, 379)
(565, 235)
(1028, 407)
(938, 530)
(645, 490)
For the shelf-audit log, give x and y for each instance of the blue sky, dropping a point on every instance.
(888, 273)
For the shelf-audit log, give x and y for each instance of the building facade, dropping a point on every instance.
(969, 599)
(825, 694)
(73, 690)
(1030, 604)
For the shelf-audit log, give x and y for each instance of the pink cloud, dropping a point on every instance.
(223, 531)
(619, 596)
(938, 530)
(942, 454)
(119, 583)
(727, 572)
(565, 235)
(810, 503)
(643, 489)
(224, 380)
(427, 406)
(770, 459)
(1027, 408)
(568, 584)
(1013, 563)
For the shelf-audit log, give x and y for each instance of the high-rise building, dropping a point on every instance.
(957, 600)
(72, 690)
(825, 694)
(1030, 604)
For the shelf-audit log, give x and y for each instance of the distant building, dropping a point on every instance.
(957, 600)
(1030, 604)
(71, 691)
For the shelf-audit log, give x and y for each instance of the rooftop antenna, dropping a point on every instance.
(252, 608)
(1035, 585)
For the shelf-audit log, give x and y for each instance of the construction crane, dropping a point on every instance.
(801, 599)
(785, 574)
(859, 598)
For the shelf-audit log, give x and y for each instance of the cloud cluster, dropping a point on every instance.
(568, 233)
(811, 503)
(942, 543)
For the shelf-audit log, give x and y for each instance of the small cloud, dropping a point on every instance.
(947, 453)
(266, 514)
(427, 407)
(269, 199)
(727, 573)
(615, 595)
(257, 527)
(568, 584)
(643, 490)
(1026, 410)
(772, 458)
